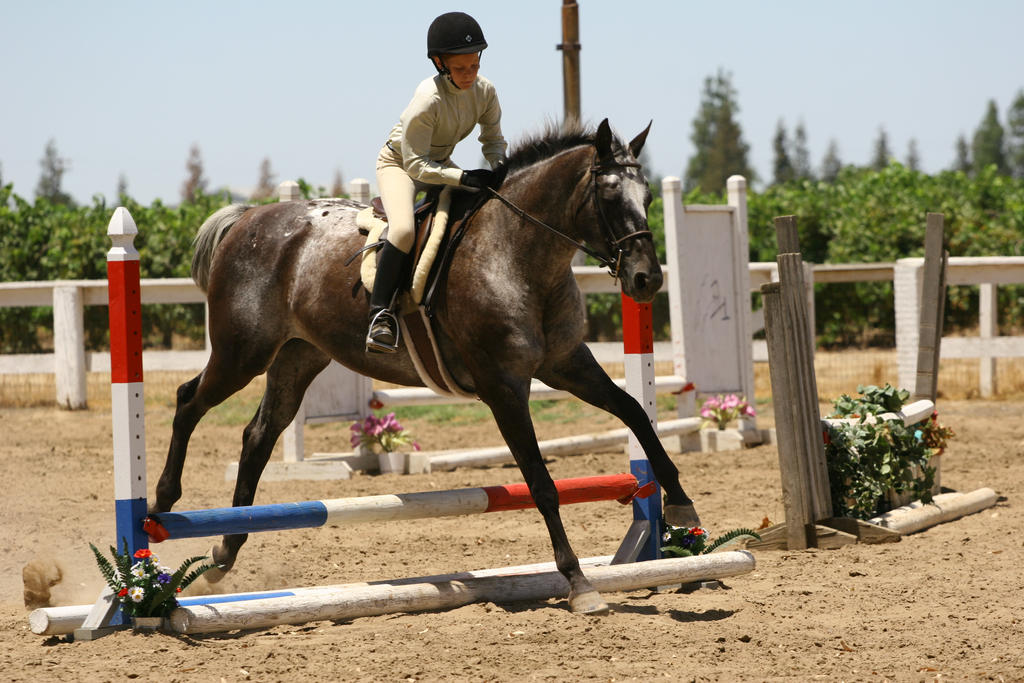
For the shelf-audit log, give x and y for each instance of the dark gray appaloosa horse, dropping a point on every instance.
(283, 301)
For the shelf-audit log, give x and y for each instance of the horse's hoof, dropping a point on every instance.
(588, 603)
(214, 575)
(220, 568)
(681, 516)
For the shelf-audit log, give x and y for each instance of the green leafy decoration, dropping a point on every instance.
(866, 460)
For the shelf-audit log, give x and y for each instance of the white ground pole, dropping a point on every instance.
(412, 595)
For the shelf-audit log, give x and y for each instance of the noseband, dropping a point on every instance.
(613, 264)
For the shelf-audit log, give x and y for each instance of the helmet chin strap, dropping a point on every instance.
(443, 69)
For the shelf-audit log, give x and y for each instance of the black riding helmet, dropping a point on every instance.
(454, 33)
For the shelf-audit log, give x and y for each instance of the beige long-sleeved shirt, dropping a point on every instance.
(440, 116)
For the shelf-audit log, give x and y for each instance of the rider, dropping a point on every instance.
(443, 111)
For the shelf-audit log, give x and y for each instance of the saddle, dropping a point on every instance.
(439, 225)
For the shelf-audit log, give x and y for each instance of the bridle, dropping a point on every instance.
(614, 263)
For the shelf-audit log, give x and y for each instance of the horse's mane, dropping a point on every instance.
(552, 140)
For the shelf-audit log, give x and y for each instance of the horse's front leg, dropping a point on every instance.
(583, 377)
(508, 400)
(294, 368)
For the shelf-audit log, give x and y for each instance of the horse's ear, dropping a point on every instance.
(603, 142)
(637, 143)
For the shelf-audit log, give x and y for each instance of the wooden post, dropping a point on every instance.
(988, 323)
(288, 191)
(69, 347)
(359, 190)
(794, 499)
(737, 194)
(795, 393)
(570, 47)
(933, 300)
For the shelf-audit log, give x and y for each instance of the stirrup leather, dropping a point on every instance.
(383, 333)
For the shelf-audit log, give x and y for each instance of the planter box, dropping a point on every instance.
(404, 463)
(896, 500)
(715, 440)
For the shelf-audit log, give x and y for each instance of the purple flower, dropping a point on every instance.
(163, 578)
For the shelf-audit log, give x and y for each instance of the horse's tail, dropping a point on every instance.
(209, 236)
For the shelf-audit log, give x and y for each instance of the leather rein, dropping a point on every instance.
(612, 264)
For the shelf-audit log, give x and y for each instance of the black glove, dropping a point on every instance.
(478, 179)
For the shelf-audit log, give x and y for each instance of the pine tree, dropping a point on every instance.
(194, 183)
(717, 138)
(913, 157)
(987, 146)
(122, 187)
(800, 155)
(881, 156)
(1015, 136)
(52, 176)
(831, 165)
(265, 186)
(338, 186)
(782, 168)
(962, 163)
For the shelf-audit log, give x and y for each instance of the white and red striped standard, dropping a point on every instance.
(126, 394)
(638, 345)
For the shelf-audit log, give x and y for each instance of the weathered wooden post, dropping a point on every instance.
(805, 483)
(933, 306)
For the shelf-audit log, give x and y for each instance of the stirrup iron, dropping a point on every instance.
(384, 333)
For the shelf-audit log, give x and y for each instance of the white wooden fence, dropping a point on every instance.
(70, 361)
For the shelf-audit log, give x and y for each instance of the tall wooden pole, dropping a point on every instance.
(570, 48)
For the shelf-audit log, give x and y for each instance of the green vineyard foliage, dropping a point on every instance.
(865, 216)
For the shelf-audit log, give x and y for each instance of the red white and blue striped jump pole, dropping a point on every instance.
(638, 345)
(278, 517)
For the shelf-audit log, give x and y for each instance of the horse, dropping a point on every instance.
(285, 298)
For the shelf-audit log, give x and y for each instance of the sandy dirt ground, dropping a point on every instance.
(944, 604)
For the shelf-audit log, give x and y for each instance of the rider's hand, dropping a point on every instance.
(478, 179)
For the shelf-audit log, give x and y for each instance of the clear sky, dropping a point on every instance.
(127, 87)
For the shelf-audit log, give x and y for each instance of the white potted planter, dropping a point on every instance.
(392, 462)
(715, 440)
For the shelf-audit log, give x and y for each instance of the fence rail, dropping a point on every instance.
(70, 361)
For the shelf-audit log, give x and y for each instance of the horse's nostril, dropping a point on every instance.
(640, 281)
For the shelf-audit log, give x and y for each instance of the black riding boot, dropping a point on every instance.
(382, 336)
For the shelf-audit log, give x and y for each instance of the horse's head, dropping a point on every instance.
(621, 196)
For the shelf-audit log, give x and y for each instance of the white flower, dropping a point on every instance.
(136, 593)
(666, 537)
(139, 570)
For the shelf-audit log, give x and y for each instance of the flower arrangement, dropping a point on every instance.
(383, 433)
(867, 460)
(684, 541)
(145, 587)
(721, 410)
(934, 434)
